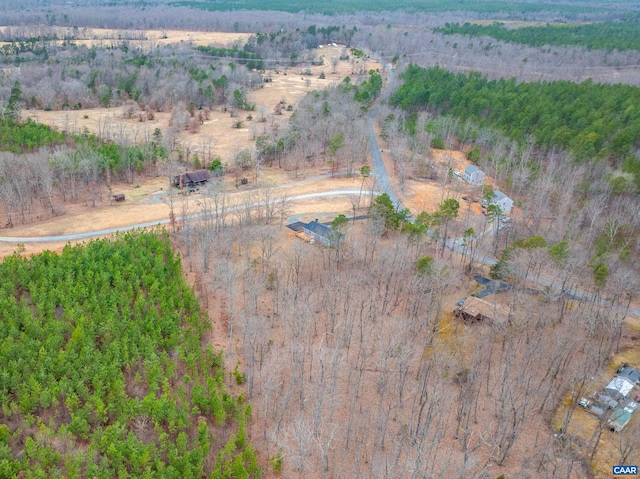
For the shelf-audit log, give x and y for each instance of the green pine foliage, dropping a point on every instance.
(369, 89)
(591, 120)
(103, 370)
(334, 7)
(382, 208)
(242, 57)
(27, 136)
(593, 36)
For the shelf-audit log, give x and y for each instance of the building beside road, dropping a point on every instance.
(476, 310)
(191, 179)
(323, 233)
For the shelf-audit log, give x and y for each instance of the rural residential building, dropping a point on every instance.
(193, 178)
(621, 416)
(619, 387)
(630, 374)
(478, 310)
(615, 397)
(473, 174)
(503, 201)
(323, 233)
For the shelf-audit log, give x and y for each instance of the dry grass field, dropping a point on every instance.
(104, 37)
(218, 137)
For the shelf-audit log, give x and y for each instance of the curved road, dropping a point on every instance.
(156, 199)
(148, 224)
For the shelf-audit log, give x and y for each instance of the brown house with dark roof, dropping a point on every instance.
(478, 310)
(193, 178)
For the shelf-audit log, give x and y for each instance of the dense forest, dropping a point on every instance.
(41, 166)
(352, 6)
(592, 120)
(104, 371)
(27, 136)
(602, 35)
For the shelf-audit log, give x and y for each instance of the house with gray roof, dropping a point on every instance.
(630, 374)
(474, 175)
(503, 201)
(323, 233)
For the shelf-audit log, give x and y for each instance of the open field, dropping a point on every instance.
(144, 39)
(218, 136)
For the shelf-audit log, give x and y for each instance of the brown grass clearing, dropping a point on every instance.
(103, 37)
(218, 135)
(150, 202)
(418, 195)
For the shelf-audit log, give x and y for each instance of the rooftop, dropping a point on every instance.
(318, 228)
(475, 306)
(632, 374)
(499, 195)
(196, 176)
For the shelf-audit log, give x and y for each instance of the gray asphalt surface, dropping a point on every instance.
(379, 170)
(92, 234)
(157, 198)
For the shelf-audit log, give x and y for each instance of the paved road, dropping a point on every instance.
(383, 184)
(379, 170)
(148, 224)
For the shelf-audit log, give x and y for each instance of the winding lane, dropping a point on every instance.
(454, 244)
(149, 224)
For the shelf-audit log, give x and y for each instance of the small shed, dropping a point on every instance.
(192, 178)
(474, 175)
(478, 310)
(503, 201)
(323, 233)
(619, 419)
(621, 416)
